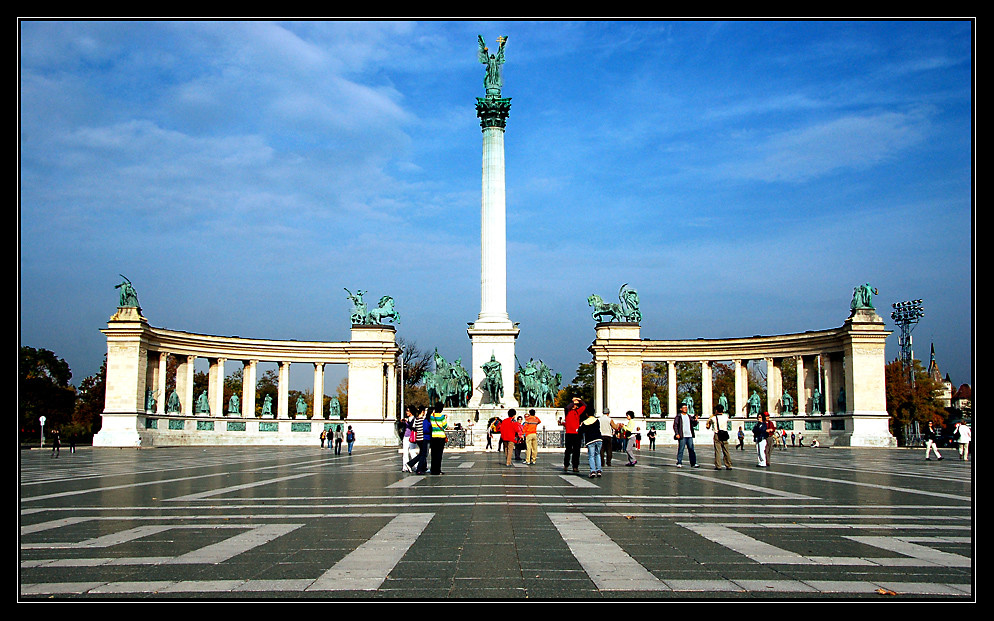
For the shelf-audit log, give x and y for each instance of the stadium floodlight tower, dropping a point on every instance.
(906, 316)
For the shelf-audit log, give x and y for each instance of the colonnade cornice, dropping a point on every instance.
(809, 343)
(182, 343)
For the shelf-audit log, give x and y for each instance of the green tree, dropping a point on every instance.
(44, 390)
(342, 391)
(267, 384)
(582, 386)
(723, 383)
(654, 382)
(90, 398)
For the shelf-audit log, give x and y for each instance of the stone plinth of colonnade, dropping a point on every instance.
(847, 361)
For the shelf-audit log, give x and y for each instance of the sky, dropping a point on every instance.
(742, 176)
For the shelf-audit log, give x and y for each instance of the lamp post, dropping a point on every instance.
(906, 316)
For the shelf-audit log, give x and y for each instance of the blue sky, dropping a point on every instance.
(742, 176)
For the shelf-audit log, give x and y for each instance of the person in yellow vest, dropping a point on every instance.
(439, 423)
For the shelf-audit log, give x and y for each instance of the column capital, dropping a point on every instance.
(493, 111)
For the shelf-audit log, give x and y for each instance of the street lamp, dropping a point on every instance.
(906, 316)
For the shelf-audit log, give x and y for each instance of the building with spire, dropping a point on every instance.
(945, 396)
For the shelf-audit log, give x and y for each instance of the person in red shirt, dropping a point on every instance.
(571, 424)
(509, 432)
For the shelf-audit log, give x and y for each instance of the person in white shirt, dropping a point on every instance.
(718, 423)
(963, 437)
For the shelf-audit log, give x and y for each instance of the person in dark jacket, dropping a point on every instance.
(683, 433)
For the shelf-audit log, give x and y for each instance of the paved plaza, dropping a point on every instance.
(300, 522)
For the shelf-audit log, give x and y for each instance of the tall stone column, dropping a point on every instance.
(249, 369)
(741, 387)
(318, 391)
(162, 397)
(493, 334)
(283, 391)
(774, 385)
(216, 386)
(184, 384)
(670, 389)
(707, 389)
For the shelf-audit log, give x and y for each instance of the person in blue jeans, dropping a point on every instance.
(350, 438)
(683, 433)
(590, 431)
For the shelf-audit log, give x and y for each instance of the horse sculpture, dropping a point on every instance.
(385, 310)
(626, 310)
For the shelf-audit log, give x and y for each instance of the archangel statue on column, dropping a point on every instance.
(494, 79)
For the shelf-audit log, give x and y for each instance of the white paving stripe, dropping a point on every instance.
(765, 553)
(366, 567)
(753, 488)
(235, 488)
(606, 563)
(905, 490)
(903, 545)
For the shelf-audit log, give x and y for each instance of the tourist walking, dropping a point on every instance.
(509, 430)
(929, 437)
(590, 430)
(607, 439)
(350, 438)
(571, 425)
(419, 462)
(963, 437)
(718, 424)
(760, 435)
(771, 430)
(339, 436)
(630, 431)
(56, 443)
(741, 436)
(530, 427)
(408, 440)
(683, 433)
(439, 423)
(651, 435)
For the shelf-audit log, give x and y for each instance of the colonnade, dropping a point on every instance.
(846, 362)
(818, 375)
(138, 355)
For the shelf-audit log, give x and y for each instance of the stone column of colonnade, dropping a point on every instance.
(160, 403)
(250, 369)
(318, 403)
(707, 390)
(215, 386)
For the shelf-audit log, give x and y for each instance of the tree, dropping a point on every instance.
(654, 382)
(908, 405)
(723, 383)
(268, 384)
(582, 386)
(417, 364)
(343, 396)
(44, 390)
(90, 399)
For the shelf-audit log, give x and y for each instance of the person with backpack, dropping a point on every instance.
(350, 438)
